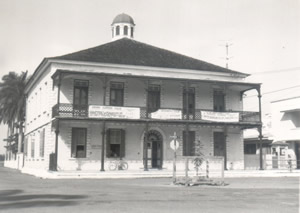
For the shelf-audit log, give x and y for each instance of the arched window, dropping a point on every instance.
(125, 30)
(112, 31)
(131, 34)
(118, 30)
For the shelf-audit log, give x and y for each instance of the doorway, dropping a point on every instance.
(220, 146)
(154, 149)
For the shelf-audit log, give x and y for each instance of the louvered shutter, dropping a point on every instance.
(192, 143)
(184, 143)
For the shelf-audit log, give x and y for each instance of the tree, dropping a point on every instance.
(12, 102)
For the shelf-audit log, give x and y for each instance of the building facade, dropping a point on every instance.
(286, 132)
(125, 99)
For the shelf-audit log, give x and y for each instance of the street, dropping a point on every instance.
(24, 193)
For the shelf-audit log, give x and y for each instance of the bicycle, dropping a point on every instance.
(118, 165)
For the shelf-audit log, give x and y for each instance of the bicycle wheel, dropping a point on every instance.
(112, 166)
(124, 166)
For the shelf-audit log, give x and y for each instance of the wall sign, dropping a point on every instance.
(96, 111)
(220, 116)
(167, 114)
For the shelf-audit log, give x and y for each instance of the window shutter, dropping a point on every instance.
(108, 143)
(184, 144)
(192, 143)
(73, 143)
(42, 142)
(122, 148)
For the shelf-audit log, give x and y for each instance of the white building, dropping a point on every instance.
(286, 130)
(124, 99)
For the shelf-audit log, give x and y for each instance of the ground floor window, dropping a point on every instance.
(42, 143)
(188, 143)
(32, 147)
(250, 148)
(79, 142)
(115, 146)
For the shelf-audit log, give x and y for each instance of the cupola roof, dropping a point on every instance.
(123, 18)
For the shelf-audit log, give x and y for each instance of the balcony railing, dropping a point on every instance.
(97, 111)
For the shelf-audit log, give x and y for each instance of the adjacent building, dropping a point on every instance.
(124, 99)
(286, 132)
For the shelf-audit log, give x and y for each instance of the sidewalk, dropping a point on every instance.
(153, 174)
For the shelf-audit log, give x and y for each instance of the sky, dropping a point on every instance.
(264, 35)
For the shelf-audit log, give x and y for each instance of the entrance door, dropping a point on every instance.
(154, 149)
(220, 145)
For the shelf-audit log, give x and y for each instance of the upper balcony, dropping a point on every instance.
(65, 110)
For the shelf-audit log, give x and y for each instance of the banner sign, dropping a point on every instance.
(220, 116)
(96, 111)
(167, 114)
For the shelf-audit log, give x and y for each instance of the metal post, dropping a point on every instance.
(187, 116)
(225, 147)
(56, 145)
(146, 147)
(174, 159)
(103, 128)
(260, 130)
(146, 130)
(260, 149)
(103, 143)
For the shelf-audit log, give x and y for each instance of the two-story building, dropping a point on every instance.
(124, 99)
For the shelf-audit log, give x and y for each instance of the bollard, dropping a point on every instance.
(207, 169)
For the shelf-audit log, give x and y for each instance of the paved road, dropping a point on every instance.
(24, 193)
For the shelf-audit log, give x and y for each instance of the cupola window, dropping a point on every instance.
(118, 30)
(131, 32)
(125, 30)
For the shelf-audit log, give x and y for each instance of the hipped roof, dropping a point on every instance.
(130, 52)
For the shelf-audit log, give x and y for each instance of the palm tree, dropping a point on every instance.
(12, 102)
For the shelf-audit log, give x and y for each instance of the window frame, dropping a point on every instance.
(117, 30)
(121, 152)
(191, 93)
(219, 104)
(74, 147)
(32, 147)
(125, 30)
(42, 143)
(116, 90)
(154, 93)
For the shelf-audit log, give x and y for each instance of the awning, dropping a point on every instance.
(291, 110)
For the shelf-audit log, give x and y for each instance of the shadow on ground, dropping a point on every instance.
(16, 199)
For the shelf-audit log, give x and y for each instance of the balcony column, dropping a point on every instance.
(260, 130)
(57, 124)
(58, 89)
(56, 145)
(186, 104)
(146, 130)
(225, 146)
(104, 126)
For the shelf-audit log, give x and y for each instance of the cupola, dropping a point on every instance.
(122, 27)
